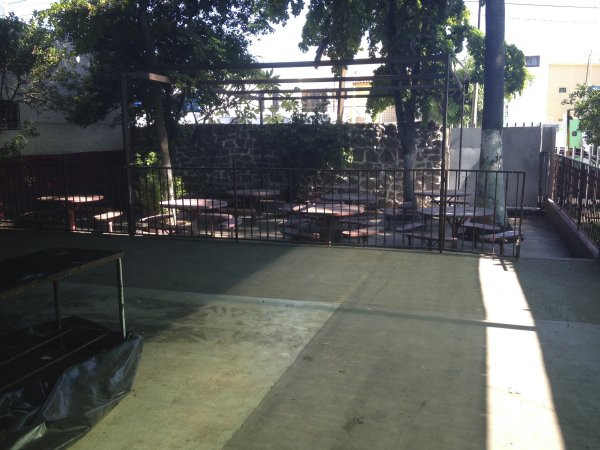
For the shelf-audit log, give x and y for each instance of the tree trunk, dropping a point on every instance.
(158, 104)
(407, 132)
(490, 189)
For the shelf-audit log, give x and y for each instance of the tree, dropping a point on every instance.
(399, 30)
(490, 190)
(586, 107)
(28, 57)
(155, 35)
(515, 80)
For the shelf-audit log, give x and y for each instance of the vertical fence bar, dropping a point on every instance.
(582, 178)
(65, 189)
(235, 202)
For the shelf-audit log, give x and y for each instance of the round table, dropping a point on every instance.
(253, 195)
(451, 194)
(72, 203)
(195, 206)
(329, 213)
(457, 216)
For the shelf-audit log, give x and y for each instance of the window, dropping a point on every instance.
(562, 90)
(311, 102)
(9, 115)
(532, 61)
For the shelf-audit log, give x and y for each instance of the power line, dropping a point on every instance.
(543, 5)
(537, 19)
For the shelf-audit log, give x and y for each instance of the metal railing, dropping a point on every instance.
(466, 210)
(577, 192)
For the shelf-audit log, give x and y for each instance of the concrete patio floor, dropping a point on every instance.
(302, 347)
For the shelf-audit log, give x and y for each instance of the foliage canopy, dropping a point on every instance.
(168, 36)
(586, 107)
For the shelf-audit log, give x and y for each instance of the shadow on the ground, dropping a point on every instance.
(401, 363)
(567, 319)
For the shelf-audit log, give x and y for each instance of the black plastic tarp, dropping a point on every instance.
(43, 415)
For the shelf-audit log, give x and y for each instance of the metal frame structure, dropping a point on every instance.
(400, 83)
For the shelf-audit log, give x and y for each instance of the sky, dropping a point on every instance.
(559, 30)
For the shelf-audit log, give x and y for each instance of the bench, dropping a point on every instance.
(295, 222)
(430, 240)
(371, 220)
(505, 237)
(108, 217)
(477, 228)
(228, 225)
(298, 233)
(242, 213)
(163, 224)
(409, 226)
(361, 233)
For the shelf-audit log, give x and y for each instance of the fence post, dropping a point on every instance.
(581, 192)
(65, 193)
(551, 185)
(560, 181)
(130, 203)
(442, 210)
(235, 210)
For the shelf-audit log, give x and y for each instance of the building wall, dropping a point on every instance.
(57, 137)
(523, 148)
(566, 76)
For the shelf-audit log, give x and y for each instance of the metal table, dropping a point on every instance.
(72, 203)
(51, 265)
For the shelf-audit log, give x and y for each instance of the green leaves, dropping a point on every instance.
(586, 107)
(166, 36)
(516, 75)
(28, 58)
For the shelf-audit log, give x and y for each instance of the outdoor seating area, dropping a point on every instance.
(298, 225)
(332, 207)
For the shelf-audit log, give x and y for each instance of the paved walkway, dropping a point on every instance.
(301, 347)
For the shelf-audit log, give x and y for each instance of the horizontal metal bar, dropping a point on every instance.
(333, 79)
(315, 90)
(54, 337)
(295, 64)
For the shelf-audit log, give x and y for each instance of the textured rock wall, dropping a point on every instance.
(376, 152)
(373, 146)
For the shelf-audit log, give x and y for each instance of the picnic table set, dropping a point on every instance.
(330, 216)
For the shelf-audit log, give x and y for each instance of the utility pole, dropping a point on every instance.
(475, 100)
(490, 191)
(4, 12)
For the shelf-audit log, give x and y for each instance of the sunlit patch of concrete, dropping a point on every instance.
(520, 409)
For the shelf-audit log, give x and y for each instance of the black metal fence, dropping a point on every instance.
(466, 210)
(577, 192)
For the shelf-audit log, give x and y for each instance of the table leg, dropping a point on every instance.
(71, 219)
(194, 217)
(57, 313)
(121, 298)
(328, 222)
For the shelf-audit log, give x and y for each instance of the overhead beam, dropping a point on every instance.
(366, 78)
(149, 76)
(293, 64)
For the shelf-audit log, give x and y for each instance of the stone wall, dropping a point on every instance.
(373, 146)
